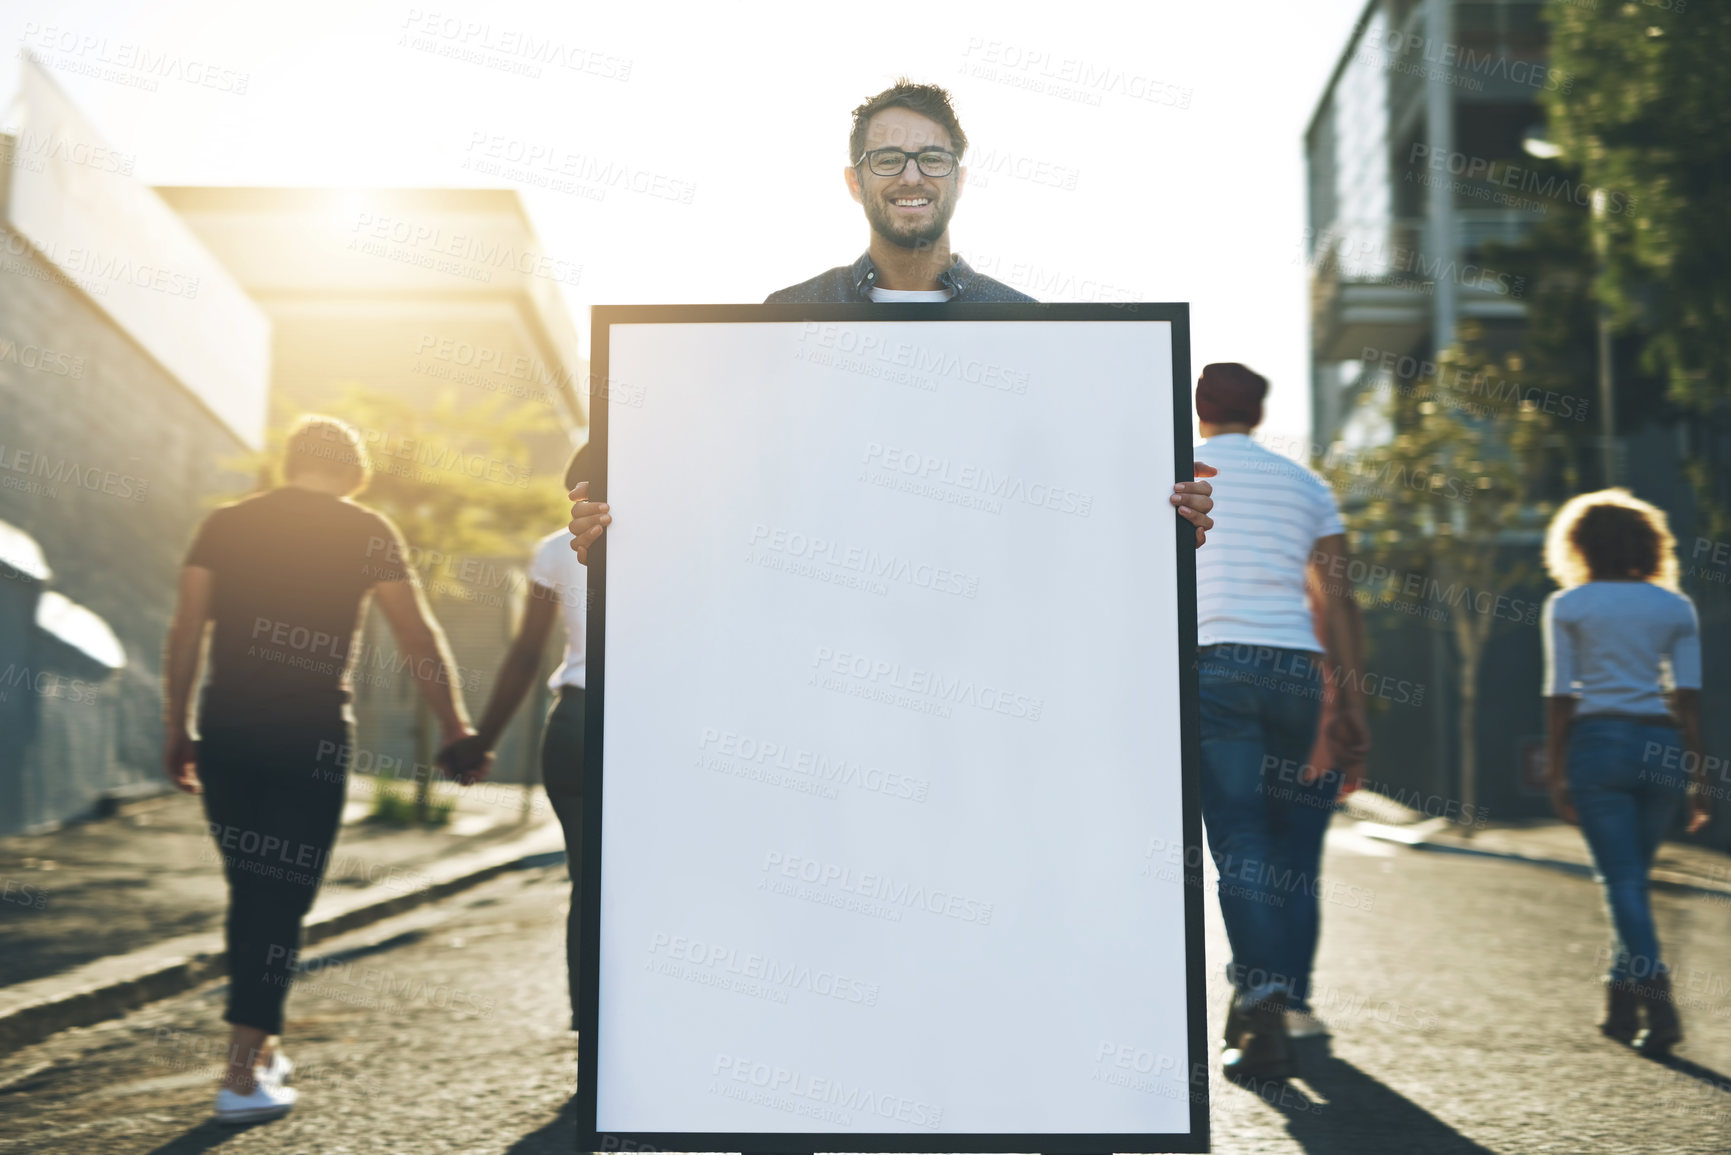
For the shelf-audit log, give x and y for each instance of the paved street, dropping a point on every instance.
(127, 882)
(1462, 992)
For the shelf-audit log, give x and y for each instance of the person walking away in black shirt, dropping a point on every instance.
(283, 578)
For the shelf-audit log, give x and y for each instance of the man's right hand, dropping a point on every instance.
(588, 519)
(1349, 733)
(1348, 745)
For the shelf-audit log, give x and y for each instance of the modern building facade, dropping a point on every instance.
(1416, 162)
(1420, 158)
(132, 367)
(146, 337)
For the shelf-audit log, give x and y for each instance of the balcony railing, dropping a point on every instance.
(1373, 283)
(1367, 288)
(1474, 228)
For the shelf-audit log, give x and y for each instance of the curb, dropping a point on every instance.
(1419, 837)
(109, 987)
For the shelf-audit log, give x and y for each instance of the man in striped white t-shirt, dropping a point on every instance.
(1261, 681)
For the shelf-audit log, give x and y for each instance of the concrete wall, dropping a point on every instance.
(109, 463)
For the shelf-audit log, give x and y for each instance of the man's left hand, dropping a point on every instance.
(180, 761)
(1194, 499)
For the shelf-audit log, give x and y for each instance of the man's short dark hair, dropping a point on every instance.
(327, 445)
(928, 100)
(1228, 393)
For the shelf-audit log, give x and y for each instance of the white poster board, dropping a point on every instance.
(886, 779)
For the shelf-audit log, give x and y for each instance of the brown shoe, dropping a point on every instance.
(1664, 1028)
(1260, 1047)
(1622, 1021)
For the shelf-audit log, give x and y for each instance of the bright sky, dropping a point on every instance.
(745, 106)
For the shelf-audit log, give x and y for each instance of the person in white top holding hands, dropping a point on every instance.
(558, 588)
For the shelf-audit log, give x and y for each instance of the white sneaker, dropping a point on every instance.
(267, 1101)
(278, 1071)
(1304, 1025)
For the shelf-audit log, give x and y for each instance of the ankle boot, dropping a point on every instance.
(1621, 1020)
(1261, 1048)
(1664, 1028)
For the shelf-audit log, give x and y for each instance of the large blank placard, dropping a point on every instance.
(887, 731)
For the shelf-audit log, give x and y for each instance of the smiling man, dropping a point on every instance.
(907, 173)
(906, 151)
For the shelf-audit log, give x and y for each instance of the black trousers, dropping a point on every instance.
(562, 775)
(273, 795)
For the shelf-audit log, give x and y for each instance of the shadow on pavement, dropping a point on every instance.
(1357, 1113)
(557, 1137)
(314, 962)
(207, 1135)
(1696, 1071)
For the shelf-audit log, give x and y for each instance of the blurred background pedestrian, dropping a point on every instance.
(1623, 678)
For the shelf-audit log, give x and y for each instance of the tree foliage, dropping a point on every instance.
(1647, 120)
(1449, 501)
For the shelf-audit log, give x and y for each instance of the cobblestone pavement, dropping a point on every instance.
(1462, 993)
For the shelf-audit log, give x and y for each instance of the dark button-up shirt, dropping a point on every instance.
(855, 282)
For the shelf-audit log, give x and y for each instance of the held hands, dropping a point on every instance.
(1194, 499)
(467, 759)
(180, 761)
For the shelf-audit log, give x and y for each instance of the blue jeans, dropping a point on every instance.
(1300, 837)
(1260, 707)
(1626, 779)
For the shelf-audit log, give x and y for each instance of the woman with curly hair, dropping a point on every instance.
(1617, 636)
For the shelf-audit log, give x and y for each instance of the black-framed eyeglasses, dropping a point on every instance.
(894, 161)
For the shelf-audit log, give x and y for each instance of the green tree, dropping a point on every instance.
(1449, 502)
(1646, 120)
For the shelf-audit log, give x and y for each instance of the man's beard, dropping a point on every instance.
(899, 233)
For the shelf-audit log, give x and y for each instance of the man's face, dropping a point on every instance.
(911, 210)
